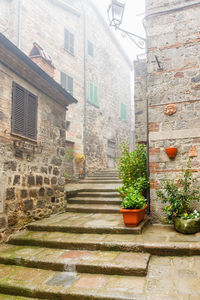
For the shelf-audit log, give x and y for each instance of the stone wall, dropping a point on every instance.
(109, 68)
(173, 91)
(140, 100)
(111, 73)
(31, 184)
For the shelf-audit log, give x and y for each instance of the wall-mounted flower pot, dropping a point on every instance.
(171, 152)
(132, 217)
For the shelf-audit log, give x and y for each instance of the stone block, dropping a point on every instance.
(31, 180)
(24, 193)
(28, 205)
(10, 193)
(39, 180)
(16, 179)
(41, 191)
(10, 165)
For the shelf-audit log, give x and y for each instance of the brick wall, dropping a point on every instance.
(174, 39)
(31, 184)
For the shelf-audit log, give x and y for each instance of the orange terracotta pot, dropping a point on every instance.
(171, 152)
(132, 217)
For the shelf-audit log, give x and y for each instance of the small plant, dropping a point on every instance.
(80, 158)
(133, 199)
(132, 165)
(69, 154)
(66, 175)
(179, 195)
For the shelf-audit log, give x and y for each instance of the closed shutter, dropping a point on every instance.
(95, 94)
(66, 42)
(24, 112)
(71, 48)
(90, 49)
(63, 80)
(123, 111)
(31, 117)
(70, 85)
(18, 109)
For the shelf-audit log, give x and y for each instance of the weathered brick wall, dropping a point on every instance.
(140, 101)
(31, 184)
(174, 39)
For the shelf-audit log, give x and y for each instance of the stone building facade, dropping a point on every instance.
(88, 62)
(140, 100)
(173, 90)
(32, 139)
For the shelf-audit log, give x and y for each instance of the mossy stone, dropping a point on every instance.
(187, 226)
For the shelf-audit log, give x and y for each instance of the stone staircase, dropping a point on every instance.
(87, 252)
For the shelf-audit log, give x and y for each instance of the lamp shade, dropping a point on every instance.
(116, 12)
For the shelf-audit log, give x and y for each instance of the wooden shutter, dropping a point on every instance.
(24, 112)
(91, 94)
(123, 111)
(95, 94)
(31, 116)
(63, 80)
(18, 110)
(66, 41)
(71, 42)
(70, 85)
(90, 49)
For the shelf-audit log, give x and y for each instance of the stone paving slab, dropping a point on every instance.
(116, 263)
(168, 278)
(87, 223)
(157, 240)
(92, 200)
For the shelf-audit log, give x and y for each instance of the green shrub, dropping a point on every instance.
(69, 154)
(132, 165)
(179, 195)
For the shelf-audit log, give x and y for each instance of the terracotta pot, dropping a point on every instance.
(171, 152)
(66, 180)
(133, 216)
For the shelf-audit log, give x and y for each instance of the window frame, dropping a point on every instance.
(71, 46)
(66, 87)
(27, 117)
(123, 111)
(92, 100)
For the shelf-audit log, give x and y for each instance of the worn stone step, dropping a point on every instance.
(154, 240)
(10, 297)
(98, 194)
(104, 175)
(93, 208)
(86, 223)
(47, 284)
(110, 201)
(101, 178)
(93, 262)
(100, 181)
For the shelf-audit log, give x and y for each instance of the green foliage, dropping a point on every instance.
(194, 215)
(179, 195)
(133, 199)
(132, 165)
(69, 154)
(66, 175)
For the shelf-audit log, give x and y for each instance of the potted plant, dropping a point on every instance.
(133, 206)
(133, 172)
(178, 197)
(66, 177)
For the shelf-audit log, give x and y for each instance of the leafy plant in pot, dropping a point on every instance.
(178, 197)
(66, 177)
(133, 206)
(133, 172)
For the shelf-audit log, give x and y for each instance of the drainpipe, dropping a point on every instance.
(85, 87)
(19, 24)
(147, 118)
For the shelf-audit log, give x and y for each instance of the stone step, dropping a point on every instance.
(177, 245)
(100, 182)
(86, 223)
(109, 201)
(101, 178)
(10, 297)
(47, 284)
(98, 194)
(93, 262)
(104, 175)
(93, 208)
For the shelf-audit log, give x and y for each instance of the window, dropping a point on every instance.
(93, 94)
(123, 111)
(69, 42)
(24, 112)
(90, 49)
(67, 82)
